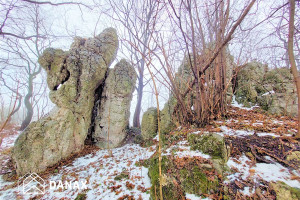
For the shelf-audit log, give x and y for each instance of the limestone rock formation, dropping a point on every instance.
(72, 77)
(272, 89)
(249, 81)
(113, 109)
(149, 124)
(167, 122)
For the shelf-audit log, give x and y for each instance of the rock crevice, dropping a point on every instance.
(78, 80)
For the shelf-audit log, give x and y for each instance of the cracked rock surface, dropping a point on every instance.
(73, 77)
(112, 118)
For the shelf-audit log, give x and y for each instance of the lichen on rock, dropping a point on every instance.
(214, 145)
(112, 119)
(72, 77)
(149, 124)
(272, 89)
(283, 191)
(181, 176)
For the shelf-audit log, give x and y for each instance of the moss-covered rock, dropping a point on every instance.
(170, 190)
(195, 181)
(294, 157)
(166, 116)
(183, 175)
(248, 78)
(209, 143)
(283, 191)
(214, 145)
(149, 123)
(81, 196)
(272, 89)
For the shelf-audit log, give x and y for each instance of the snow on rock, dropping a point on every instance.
(182, 149)
(234, 103)
(268, 172)
(267, 93)
(194, 197)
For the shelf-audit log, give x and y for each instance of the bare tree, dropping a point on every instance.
(10, 114)
(22, 55)
(292, 57)
(12, 24)
(206, 60)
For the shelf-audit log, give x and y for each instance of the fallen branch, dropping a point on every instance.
(266, 151)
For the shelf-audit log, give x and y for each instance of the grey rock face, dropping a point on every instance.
(113, 111)
(149, 124)
(73, 77)
(272, 89)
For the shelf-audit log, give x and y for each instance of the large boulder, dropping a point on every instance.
(113, 110)
(72, 77)
(280, 96)
(166, 116)
(149, 124)
(249, 80)
(272, 89)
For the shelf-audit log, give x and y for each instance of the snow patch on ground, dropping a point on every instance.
(242, 133)
(268, 172)
(9, 140)
(247, 191)
(231, 132)
(99, 171)
(156, 138)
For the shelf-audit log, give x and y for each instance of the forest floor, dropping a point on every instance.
(268, 138)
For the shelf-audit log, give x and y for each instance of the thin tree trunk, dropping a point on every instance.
(18, 106)
(137, 112)
(28, 105)
(292, 58)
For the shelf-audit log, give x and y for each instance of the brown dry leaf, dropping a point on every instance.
(293, 177)
(237, 183)
(251, 171)
(216, 130)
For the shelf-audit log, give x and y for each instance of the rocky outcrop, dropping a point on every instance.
(166, 116)
(214, 145)
(283, 191)
(149, 124)
(272, 89)
(73, 77)
(112, 118)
